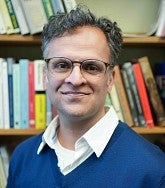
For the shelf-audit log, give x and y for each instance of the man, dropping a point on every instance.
(85, 145)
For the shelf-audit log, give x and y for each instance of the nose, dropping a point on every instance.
(75, 77)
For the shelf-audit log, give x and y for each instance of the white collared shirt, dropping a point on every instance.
(94, 140)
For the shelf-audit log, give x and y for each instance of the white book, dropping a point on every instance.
(6, 17)
(3, 179)
(16, 96)
(161, 20)
(35, 15)
(1, 95)
(2, 25)
(20, 17)
(38, 74)
(116, 103)
(5, 158)
(5, 95)
(70, 4)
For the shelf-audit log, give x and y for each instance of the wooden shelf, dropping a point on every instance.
(19, 132)
(31, 132)
(146, 130)
(36, 40)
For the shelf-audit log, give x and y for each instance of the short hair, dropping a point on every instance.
(82, 16)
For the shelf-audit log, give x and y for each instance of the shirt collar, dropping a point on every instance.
(97, 137)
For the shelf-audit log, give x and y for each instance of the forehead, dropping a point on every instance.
(85, 40)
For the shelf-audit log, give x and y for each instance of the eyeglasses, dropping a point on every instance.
(62, 66)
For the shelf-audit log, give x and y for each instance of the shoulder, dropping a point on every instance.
(135, 145)
(29, 145)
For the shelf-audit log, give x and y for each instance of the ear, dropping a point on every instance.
(111, 81)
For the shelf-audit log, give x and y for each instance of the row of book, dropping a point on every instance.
(4, 165)
(135, 94)
(29, 17)
(23, 101)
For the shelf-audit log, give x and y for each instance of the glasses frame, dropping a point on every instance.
(47, 60)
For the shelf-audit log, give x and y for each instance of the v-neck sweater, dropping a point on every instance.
(127, 161)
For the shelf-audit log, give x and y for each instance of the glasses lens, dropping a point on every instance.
(59, 65)
(93, 67)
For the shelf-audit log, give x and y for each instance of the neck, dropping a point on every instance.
(70, 131)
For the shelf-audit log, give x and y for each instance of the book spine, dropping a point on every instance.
(48, 8)
(143, 95)
(58, 6)
(35, 19)
(2, 25)
(48, 110)
(23, 63)
(5, 95)
(16, 95)
(31, 94)
(128, 67)
(20, 17)
(130, 98)
(116, 103)
(152, 90)
(10, 62)
(40, 110)
(12, 16)
(118, 81)
(1, 96)
(6, 17)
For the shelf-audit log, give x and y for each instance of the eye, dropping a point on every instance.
(93, 67)
(60, 65)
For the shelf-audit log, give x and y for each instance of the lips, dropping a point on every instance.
(74, 93)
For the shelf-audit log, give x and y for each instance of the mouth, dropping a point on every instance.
(73, 93)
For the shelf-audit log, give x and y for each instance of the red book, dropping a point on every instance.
(143, 95)
(31, 91)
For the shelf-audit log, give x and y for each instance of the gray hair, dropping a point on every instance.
(61, 23)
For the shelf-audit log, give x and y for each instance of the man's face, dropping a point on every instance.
(75, 95)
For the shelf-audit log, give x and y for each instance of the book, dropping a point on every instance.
(5, 93)
(115, 102)
(69, 5)
(35, 19)
(10, 62)
(6, 17)
(2, 25)
(58, 6)
(31, 94)
(23, 63)
(5, 158)
(118, 81)
(143, 95)
(40, 96)
(108, 102)
(20, 17)
(1, 95)
(161, 20)
(131, 101)
(48, 110)
(3, 179)
(12, 16)
(48, 8)
(131, 79)
(40, 110)
(159, 71)
(16, 96)
(152, 89)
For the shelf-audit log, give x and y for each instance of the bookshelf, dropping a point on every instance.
(28, 46)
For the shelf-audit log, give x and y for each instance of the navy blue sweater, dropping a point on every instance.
(128, 161)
